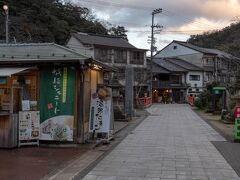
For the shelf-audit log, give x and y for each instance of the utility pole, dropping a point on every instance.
(5, 7)
(156, 11)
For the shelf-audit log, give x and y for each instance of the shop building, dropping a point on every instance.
(175, 79)
(49, 83)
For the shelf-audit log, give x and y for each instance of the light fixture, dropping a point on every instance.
(5, 7)
(95, 67)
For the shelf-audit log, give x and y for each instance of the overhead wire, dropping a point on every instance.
(137, 7)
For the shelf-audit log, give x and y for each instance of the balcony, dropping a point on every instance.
(168, 84)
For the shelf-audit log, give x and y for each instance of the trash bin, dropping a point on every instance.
(223, 113)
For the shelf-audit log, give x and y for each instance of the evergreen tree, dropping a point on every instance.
(47, 21)
(227, 39)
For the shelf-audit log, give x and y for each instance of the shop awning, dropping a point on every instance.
(5, 72)
(219, 88)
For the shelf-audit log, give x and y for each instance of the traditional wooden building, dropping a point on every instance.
(113, 51)
(218, 66)
(175, 79)
(49, 79)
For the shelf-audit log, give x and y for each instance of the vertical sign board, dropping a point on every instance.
(57, 95)
(100, 114)
(29, 128)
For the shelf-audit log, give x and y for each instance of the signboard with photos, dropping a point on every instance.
(29, 127)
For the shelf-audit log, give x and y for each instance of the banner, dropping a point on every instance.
(57, 95)
(100, 111)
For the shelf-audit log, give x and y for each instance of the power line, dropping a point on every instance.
(186, 19)
(147, 8)
(168, 31)
(107, 3)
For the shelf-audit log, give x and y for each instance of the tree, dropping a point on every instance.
(47, 21)
(119, 31)
(227, 39)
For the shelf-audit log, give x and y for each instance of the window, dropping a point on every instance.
(194, 77)
(208, 61)
(120, 56)
(174, 47)
(137, 57)
(103, 54)
(176, 79)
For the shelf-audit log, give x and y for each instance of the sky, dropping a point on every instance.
(179, 18)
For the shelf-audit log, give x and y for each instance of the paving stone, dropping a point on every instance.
(172, 143)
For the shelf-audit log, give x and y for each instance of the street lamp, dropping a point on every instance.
(156, 11)
(5, 8)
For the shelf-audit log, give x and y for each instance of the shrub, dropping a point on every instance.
(198, 103)
(232, 104)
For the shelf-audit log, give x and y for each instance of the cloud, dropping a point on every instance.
(174, 12)
(179, 17)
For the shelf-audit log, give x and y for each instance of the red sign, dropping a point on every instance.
(191, 100)
(237, 112)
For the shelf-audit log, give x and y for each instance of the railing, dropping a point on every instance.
(167, 84)
(157, 84)
(143, 102)
(137, 61)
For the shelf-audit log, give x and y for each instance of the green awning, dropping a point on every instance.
(219, 88)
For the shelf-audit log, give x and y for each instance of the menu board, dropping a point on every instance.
(29, 125)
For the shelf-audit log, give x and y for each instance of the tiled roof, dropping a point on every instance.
(43, 52)
(159, 69)
(184, 64)
(216, 52)
(191, 46)
(37, 51)
(103, 40)
(224, 55)
(168, 65)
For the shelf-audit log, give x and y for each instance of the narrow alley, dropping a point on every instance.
(172, 143)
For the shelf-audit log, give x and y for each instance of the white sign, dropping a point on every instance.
(29, 125)
(25, 105)
(100, 115)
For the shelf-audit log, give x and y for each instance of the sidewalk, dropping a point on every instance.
(172, 143)
(30, 163)
(33, 163)
(229, 150)
(227, 130)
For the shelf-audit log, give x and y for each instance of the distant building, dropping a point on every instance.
(113, 51)
(175, 79)
(217, 65)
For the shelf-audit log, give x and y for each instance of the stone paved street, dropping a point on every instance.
(172, 143)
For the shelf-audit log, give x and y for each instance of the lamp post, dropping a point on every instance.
(5, 8)
(156, 11)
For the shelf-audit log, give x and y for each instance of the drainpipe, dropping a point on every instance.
(80, 104)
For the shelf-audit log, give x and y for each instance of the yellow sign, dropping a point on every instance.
(64, 94)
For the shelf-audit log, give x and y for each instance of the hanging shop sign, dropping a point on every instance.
(100, 111)
(218, 90)
(57, 94)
